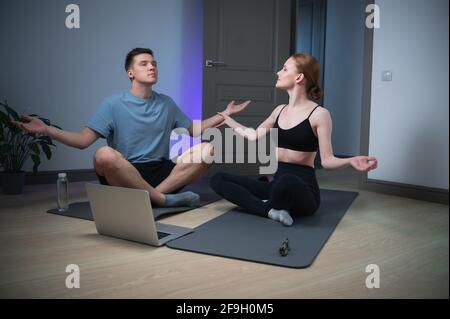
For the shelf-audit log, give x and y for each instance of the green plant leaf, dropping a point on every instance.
(11, 111)
(36, 162)
(47, 143)
(34, 148)
(4, 118)
(56, 126)
(47, 150)
(5, 148)
(46, 139)
(32, 135)
(16, 145)
(46, 121)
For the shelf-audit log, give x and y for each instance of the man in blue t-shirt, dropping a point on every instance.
(137, 125)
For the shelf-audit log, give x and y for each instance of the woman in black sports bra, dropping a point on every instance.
(303, 127)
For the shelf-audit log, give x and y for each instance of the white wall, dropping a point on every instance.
(409, 131)
(64, 74)
(344, 54)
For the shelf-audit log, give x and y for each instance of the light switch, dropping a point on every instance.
(387, 76)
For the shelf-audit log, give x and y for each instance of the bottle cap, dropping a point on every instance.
(62, 175)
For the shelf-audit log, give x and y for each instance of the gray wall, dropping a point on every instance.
(409, 116)
(344, 73)
(64, 74)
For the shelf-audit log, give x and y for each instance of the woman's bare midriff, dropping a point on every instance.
(296, 157)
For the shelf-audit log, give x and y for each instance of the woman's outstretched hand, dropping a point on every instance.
(364, 163)
(235, 108)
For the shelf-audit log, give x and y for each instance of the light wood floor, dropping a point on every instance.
(407, 239)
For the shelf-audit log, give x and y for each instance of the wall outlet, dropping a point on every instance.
(386, 76)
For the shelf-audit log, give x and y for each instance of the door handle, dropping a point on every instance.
(211, 63)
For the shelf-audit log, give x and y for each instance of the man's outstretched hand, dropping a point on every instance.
(226, 119)
(31, 125)
(236, 108)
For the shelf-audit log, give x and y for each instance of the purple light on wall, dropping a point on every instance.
(192, 59)
(191, 54)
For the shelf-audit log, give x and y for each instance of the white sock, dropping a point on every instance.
(281, 216)
(190, 199)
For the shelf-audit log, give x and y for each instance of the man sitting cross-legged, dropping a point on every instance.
(137, 125)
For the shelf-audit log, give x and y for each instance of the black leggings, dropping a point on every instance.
(294, 189)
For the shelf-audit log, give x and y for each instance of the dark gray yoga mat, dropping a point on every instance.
(240, 235)
(207, 196)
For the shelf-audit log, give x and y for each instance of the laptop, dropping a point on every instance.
(127, 213)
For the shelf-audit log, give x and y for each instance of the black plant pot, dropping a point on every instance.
(13, 183)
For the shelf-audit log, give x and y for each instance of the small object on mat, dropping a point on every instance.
(284, 248)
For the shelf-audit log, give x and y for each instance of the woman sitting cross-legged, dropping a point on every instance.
(303, 128)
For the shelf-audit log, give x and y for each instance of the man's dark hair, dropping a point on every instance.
(133, 53)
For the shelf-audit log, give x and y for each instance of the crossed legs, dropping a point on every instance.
(120, 172)
(190, 166)
(287, 194)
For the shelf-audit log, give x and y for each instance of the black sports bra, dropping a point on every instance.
(299, 138)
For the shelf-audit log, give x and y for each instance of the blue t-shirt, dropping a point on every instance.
(139, 128)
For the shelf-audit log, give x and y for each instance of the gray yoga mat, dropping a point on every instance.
(240, 235)
(207, 196)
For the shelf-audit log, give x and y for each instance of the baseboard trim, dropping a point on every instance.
(50, 177)
(429, 194)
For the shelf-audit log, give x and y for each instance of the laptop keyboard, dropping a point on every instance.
(161, 234)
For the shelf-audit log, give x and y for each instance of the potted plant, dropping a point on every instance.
(16, 146)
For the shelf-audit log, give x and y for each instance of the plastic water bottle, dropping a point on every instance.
(62, 187)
